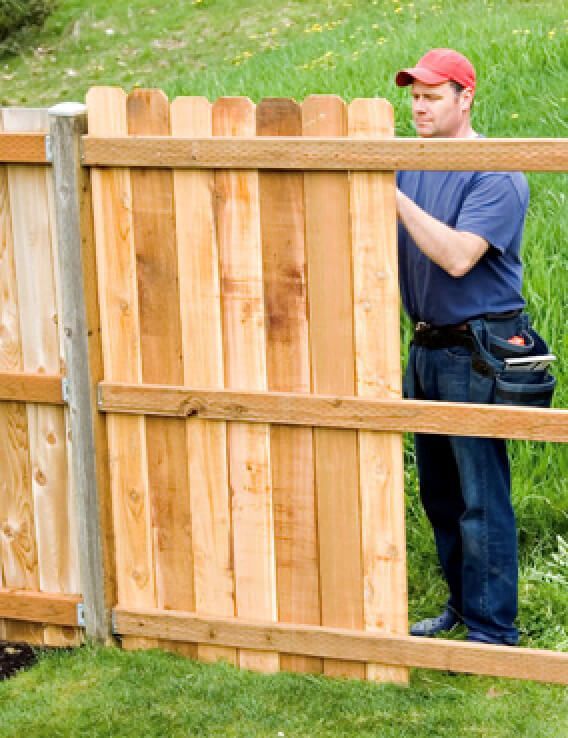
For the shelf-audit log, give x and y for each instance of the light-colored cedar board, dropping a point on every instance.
(35, 279)
(378, 375)
(39, 607)
(288, 368)
(329, 153)
(333, 411)
(153, 218)
(120, 332)
(330, 303)
(200, 309)
(26, 387)
(361, 646)
(22, 148)
(18, 550)
(238, 234)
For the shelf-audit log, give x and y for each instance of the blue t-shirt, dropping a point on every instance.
(492, 205)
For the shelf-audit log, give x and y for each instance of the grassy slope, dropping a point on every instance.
(149, 694)
(297, 48)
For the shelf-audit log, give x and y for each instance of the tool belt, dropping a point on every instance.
(490, 381)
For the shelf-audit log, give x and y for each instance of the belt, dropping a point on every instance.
(431, 336)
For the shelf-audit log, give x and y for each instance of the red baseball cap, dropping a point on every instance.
(437, 66)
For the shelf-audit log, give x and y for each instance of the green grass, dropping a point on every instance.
(147, 694)
(293, 49)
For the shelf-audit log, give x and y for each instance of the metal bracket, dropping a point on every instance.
(113, 623)
(65, 390)
(80, 614)
(48, 148)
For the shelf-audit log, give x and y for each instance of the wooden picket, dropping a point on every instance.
(282, 218)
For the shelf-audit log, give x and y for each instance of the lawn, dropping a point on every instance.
(353, 49)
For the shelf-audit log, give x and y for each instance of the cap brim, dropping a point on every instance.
(427, 76)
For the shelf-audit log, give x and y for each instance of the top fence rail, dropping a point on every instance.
(327, 153)
(301, 153)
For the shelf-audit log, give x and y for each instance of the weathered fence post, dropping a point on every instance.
(82, 352)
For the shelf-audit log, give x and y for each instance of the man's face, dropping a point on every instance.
(438, 111)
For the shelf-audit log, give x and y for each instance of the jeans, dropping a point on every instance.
(465, 488)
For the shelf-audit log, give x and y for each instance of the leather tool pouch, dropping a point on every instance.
(491, 382)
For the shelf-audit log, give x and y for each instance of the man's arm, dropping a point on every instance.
(456, 252)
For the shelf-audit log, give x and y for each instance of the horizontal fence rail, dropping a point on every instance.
(23, 148)
(41, 607)
(327, 153)
(418, 416)
(28, 387)
(335, 643)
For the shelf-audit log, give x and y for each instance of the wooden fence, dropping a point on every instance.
(243, 345)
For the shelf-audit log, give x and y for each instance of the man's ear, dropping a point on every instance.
(466, 99)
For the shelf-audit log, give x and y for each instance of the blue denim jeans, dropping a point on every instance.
(465, 487)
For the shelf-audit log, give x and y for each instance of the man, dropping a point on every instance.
(459, 258)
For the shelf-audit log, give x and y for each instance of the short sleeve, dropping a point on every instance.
(494, 207)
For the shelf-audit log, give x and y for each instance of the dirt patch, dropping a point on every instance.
(14, 657)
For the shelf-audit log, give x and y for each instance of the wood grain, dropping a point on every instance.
(153, 220)
(203, 363)
(360, 646)
(339, 411)
(326, 152)
(333, 366)
(288, 368)
(377, 366)
(238, 233)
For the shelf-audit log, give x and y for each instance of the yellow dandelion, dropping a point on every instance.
(514, 115)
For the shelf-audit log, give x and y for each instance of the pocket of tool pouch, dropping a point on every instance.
(533, 389)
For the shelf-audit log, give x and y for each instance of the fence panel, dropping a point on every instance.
(252, 281)
(38, 536)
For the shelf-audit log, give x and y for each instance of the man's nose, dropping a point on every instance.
(419, 105)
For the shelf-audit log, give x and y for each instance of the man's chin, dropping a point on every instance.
(425, 130)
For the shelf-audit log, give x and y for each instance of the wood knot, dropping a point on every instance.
(40, 478)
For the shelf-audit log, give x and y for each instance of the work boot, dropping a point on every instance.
(429, 627)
